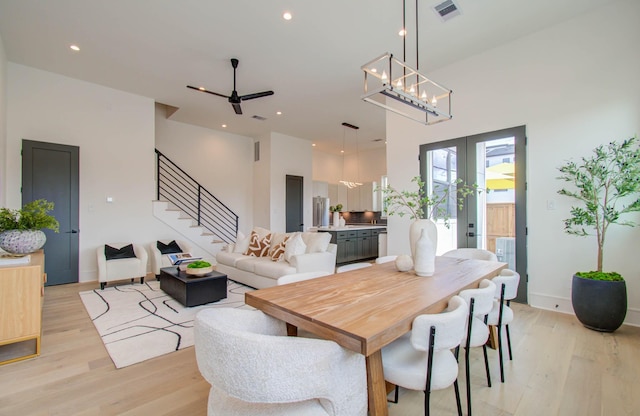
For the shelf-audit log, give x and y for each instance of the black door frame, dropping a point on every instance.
(469, 165)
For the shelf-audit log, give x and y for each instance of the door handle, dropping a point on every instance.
(471, 234)
(73, 232)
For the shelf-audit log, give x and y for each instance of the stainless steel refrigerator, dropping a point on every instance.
(320, 211)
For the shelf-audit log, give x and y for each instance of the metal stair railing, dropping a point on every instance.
(176, 186)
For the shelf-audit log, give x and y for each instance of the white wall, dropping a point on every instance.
(115, 133)
(262, 186)
(574, 86)
(289, 156)
(219, 161)
(3, 122)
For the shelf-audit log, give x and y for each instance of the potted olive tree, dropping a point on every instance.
(606, 186)
(21, 229)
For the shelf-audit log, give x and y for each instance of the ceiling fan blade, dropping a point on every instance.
(256, 95)
(236, 108)
(207, 91)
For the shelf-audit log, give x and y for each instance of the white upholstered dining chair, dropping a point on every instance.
(352, 266)
(299, 277)
(255, 369)
(422, 359)
(480, 302)
(386, 259)
(471, 253)
(501, 313)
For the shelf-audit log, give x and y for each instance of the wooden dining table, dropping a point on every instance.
(363, 310)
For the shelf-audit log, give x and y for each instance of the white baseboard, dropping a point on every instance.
(563, 305)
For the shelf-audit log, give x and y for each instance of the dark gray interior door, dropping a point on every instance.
(50, 171)
(294, 203)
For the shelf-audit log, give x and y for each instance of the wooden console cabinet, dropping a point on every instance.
(21, 296)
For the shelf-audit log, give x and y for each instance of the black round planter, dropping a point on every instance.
(598, 304)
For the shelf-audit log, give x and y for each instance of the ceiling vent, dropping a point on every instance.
(257, 117)
(447, 10)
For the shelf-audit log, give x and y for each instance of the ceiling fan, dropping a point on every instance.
(234, 98)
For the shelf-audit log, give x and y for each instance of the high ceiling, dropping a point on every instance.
(155, 48)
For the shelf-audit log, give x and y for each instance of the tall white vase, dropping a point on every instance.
(415, 231)
(424, 263)
(336, 219)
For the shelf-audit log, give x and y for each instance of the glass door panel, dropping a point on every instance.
(442, 174)
(495, 218)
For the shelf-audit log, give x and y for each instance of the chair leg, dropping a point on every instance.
(486, 364)
(427, 395)
(395, 395)
(466, 369)
(456, 389)
(142, 280)
(102, 285)
(508, 341)
(132, 280)
(500, 354)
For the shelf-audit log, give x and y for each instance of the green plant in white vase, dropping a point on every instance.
(424, 208)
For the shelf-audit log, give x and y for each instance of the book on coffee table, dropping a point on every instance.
(182, 258)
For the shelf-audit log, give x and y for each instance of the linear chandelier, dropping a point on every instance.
(386, 76)
(350, 184)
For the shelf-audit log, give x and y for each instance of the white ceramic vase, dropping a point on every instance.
(424, 261)
(415, 230)
(336, 219)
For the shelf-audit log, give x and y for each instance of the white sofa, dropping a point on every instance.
(262, 272)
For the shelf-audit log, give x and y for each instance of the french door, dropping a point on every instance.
(495, 218)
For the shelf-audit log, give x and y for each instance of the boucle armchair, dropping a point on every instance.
(255, 369)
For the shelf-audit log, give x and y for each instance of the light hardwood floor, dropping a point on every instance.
(559, 368)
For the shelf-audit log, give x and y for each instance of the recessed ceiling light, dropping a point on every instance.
(341, 151)
(74, 48)
(279, 113)
(286, 16)
(313, 144)
(224, 126)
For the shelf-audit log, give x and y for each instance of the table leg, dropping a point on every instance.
(292, 330)
(376, 387)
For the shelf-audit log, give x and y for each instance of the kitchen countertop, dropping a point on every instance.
(352, 227)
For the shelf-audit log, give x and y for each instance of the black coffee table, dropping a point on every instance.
(192, 290)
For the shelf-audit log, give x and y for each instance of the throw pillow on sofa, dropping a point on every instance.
(278, 248)
(242, 243)
(295, 246)
(258, 246)
(316, 242)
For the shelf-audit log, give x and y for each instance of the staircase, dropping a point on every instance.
(190, 209)
(187, 227)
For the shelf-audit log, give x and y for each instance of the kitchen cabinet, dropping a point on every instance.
(355, 244)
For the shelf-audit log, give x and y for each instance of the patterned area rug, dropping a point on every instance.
(139, 322)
